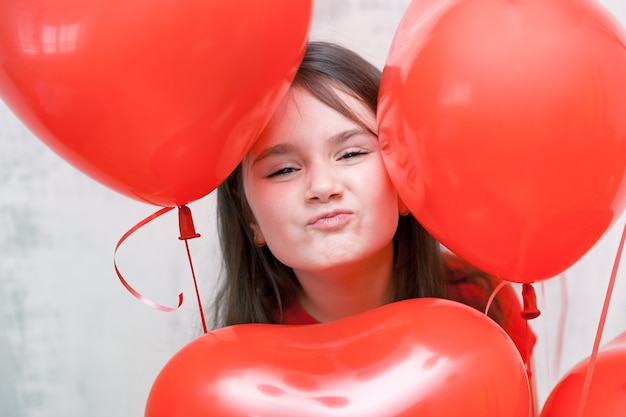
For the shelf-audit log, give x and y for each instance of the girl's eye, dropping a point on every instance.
(352, 154)
(282, 171)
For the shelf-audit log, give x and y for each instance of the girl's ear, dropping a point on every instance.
(402, 208)
(259, 239)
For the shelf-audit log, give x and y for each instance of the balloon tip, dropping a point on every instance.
(529, 297)
(185, 224)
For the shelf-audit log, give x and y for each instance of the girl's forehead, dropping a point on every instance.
(301, 109)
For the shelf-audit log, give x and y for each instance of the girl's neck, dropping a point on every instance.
(351, 289)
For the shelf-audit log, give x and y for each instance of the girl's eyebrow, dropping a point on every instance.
(279, 149)
(342, 137)
(285, 148)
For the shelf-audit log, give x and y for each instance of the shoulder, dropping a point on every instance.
(469, 285)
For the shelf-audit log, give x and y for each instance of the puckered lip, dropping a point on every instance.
(327, 215)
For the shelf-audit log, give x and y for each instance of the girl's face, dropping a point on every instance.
(318, 189)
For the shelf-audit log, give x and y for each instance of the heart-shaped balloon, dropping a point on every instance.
(156, 100)
(502, 126)
(419, 357)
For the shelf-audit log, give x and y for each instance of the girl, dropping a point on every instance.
(311, 227)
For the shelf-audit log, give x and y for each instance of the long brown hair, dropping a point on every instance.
(256, 286)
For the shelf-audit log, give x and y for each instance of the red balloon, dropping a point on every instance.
(412, 358)
(156, 100)
(502, 126)
(606, 396)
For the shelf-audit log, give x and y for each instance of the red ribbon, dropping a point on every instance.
(596, 345)
(130, 289)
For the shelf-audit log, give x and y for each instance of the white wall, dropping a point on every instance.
(75, 343)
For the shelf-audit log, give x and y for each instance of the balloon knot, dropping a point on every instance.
(185, 224)
(529, 297)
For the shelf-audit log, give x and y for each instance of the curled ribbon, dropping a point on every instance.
(130, 289)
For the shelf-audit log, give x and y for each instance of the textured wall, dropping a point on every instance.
(74, 343)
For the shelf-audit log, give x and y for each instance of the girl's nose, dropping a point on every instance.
(323, 184)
